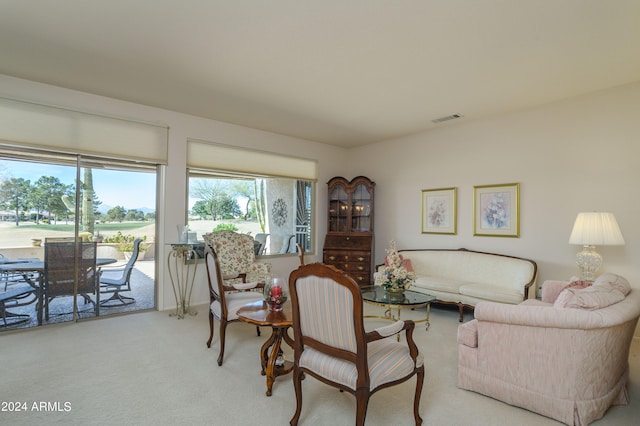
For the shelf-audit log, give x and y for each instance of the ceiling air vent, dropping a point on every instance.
(447, 118)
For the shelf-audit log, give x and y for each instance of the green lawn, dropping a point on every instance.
(102, 227)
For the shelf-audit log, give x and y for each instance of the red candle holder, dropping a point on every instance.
(274, 295)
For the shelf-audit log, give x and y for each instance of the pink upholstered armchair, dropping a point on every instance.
(565, 357)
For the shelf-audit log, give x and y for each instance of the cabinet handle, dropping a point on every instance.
(348, 238)
(332, 258)
(361, 268)
(361, 259)
(346, 258)
(346, 266)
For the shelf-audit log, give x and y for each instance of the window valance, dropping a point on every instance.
(39, 126)
(208, 155)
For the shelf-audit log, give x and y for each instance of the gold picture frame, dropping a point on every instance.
(439, 214)
(496, 210)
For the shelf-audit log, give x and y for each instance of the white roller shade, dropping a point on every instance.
(33, 125)
(207, 155)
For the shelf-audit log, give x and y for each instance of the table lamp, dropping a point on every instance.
(590, 230)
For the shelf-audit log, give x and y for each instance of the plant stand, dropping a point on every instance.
(182, 264)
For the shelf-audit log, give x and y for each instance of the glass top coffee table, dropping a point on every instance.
(376, 295)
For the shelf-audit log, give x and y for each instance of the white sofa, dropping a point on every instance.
(464, 277)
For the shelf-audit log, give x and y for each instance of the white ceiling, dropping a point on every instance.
(343, 72)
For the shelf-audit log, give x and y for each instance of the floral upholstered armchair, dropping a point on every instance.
(237, 258)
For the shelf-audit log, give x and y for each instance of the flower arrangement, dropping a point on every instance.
(395, 275)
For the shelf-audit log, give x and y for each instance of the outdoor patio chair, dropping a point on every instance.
(237, 257)
(331, 344)
(262, 239)
(225, 300)
(69, 270)
(288, 244)
(118, 280)
(17, 295)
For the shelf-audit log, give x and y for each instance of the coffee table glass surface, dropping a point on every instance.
(377, 295)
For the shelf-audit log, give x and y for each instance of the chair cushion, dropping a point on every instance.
(235, 301)
(388, 360)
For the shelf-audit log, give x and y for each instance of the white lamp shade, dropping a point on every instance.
(596, 229)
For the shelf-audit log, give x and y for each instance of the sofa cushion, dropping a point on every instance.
(616, 281)
(491, 292)
(535, 302)
(590, 298)
(438, 283)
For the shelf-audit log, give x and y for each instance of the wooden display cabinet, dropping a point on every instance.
(349, 242)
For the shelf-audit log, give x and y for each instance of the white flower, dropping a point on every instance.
(394, 273)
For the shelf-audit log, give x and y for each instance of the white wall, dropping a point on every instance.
(172, 201)
(577, 155)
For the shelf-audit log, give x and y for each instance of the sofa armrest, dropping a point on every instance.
(551, 289)
(468, 334)
(560, 318)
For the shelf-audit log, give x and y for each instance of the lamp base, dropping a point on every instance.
(589, 261)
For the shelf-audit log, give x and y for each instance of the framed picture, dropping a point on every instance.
(439, 211)
(496, 210)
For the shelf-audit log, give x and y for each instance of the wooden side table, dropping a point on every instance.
(257, 313)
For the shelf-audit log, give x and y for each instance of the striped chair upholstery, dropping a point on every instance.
(330, 342)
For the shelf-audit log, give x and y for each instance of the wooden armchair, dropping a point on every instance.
(225, 299)
(330, 342)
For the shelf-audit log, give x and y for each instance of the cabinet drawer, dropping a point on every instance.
(359, 268)
(359, 271)
(348, 242)
(340, 256)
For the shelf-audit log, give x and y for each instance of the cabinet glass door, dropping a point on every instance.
(338, 209)
(361, 209)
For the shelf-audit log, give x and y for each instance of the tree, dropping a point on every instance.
(201, 209)
(260, 203)
(243, 188)
(88, 213)
(47, 195)
(117, 214)
(14, 194)
(208, 189)
(223, 205)
(134, 215)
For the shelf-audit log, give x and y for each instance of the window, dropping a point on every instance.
(41, 202)
(276, 211)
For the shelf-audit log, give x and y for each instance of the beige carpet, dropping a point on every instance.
(152, 369)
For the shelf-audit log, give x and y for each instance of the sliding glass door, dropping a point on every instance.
(68, 227)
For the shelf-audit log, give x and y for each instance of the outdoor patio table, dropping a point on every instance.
(32, 271)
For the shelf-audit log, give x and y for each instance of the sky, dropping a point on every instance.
(131, 190)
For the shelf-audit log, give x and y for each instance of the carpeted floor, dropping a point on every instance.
(152, 369)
